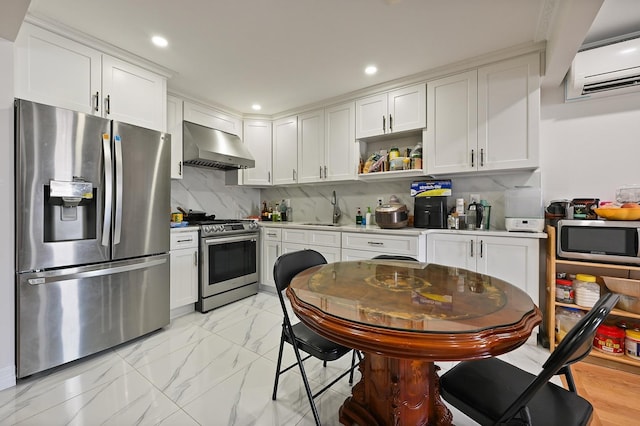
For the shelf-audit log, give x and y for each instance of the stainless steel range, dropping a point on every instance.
(228, 262)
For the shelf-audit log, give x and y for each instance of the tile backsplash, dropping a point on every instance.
(205, 190)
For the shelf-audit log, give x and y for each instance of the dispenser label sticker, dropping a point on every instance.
(431, 188)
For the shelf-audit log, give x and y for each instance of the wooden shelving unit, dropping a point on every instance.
(555, 265)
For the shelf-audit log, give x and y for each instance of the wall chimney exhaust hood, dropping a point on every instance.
(206, 147)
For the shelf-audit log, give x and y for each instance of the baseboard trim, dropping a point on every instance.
(7, 377)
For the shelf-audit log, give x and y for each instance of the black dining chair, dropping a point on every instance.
(301, 337)
(494, 392)
(394, 257)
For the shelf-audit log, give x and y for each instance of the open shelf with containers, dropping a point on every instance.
(405, 142)
(556, 265)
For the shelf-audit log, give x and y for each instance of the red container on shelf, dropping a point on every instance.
(609, 339)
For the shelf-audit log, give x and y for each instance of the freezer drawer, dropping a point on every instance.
(66, 314)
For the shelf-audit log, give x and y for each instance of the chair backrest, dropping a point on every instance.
(574, 346)
(290, 264)
(393, 257)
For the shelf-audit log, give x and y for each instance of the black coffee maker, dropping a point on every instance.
(430, 212)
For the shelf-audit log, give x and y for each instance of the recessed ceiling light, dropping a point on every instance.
(371, 70)
(256, 107)
(159, 41)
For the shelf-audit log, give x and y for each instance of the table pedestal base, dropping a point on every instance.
(395, 392)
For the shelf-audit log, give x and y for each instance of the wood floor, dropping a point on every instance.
(613, 393)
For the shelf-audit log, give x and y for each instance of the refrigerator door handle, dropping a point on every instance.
(108, 188)
(90, 271)
(118, 216)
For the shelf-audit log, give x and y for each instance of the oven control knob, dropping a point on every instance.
(253, 225)
(207, 228)
(218, 228)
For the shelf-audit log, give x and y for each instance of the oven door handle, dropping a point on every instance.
(224, 240)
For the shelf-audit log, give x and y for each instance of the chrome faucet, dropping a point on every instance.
(336, 210)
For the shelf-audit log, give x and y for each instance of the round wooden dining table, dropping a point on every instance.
(404, 316)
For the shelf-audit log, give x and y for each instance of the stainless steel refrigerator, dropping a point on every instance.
(92, 234)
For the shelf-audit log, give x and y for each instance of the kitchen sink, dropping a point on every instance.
(321, 224)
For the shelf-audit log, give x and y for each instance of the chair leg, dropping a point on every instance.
(307, 388)
(571, 384)
(353, 366)
(275, 383)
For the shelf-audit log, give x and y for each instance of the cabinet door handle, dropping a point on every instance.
(271, 234)
(180, 168)
(473, 162)
(375, 243)
(269, 177)
(195, 258)
(384, 124)
(320, 172)
(325, 172)
(390, 123)
(97, 102)
(186, 241)
(108, 104)
(294, 175)
(471, 245)
(481, 157)
(481, 248)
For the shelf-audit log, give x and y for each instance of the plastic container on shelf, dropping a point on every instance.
(566, 318)
(628, 194)
(564, 291)
(586, 290)
(609, 339)
(632, 343)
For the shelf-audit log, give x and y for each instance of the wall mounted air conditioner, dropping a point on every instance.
(609, 70)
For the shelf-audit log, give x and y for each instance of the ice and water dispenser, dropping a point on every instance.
(70, 211)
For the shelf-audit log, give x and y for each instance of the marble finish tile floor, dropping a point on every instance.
(203, 369)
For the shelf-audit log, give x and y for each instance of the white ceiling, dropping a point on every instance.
(285, 54)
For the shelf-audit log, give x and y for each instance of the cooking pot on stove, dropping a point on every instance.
(392, 215)
(195, 215)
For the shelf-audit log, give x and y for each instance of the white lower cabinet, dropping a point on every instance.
(270, 249)
(363, 245)
(512, 259)
(184, 267)
(327, 243)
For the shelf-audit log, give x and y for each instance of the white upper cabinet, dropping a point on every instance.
(390, 112)
(54, 70)
(257, 138)
(311, 153)
(509, 113)
(285, 151)
(452, 119)
(485, 119)
(174, 127)
(212, 118)
(326, 144)
(133, 95)
(340, 142)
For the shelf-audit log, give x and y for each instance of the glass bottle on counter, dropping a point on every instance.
(358, 216)
(416, 157)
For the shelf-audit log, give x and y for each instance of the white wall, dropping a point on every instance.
(588, 148)
(7, 298)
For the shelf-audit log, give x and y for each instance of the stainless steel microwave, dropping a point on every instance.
(599, 240)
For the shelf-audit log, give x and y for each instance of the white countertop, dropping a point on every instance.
(375, 229)
(188, 228)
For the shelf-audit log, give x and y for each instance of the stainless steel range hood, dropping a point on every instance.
(206, 147)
